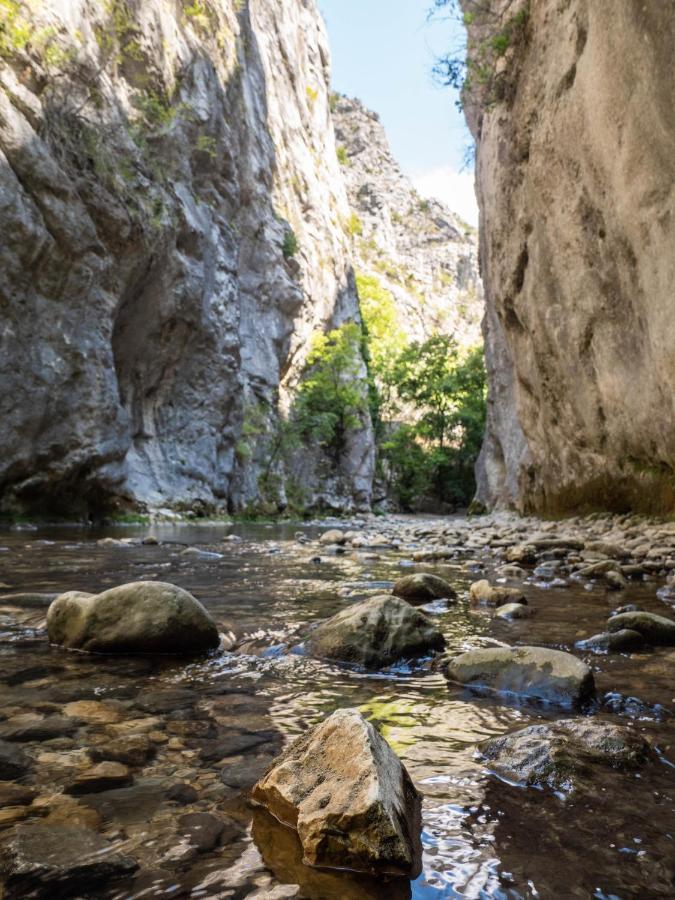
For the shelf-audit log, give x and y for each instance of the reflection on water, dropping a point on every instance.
(212, 726)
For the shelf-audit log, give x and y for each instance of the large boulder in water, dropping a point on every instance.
(423, 588)
(562, 755)
(537, 672)
(349, 797)
(142, 617)
(375, 633)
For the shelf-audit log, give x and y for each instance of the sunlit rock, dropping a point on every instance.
(349, 797)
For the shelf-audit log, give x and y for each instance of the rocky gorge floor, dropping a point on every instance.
(144, 764)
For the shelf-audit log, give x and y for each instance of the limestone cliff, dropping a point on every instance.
(418, 249)
(575, 127)
(172, 210)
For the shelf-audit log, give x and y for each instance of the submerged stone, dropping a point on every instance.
(13, 762)
(537, 672)
(623, 641)
(423, 588)
(654, 629)
(377, 632)
(46, 861)
(349, 797)
(561, 755)
(482, 593)
(142, 617)
(513, 611)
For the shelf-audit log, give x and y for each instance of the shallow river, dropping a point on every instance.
(217, 723)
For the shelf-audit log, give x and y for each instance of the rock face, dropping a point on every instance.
(173, 212)
(562, 755)
(576, 258)
(537, 672)
(417, 249)
(375, 633)
(349, 797)
(142, 617)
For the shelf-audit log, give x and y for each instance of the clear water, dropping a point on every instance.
(482, 837)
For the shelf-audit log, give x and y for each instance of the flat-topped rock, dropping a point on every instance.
(657, 630)
(376, 632)
(349, 797)
(535, 672)
(142, 617)
(423, 588)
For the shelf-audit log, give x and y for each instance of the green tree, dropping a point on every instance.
(330, 400)
(447, 391)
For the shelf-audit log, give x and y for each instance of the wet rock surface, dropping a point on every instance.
(423, 588)
(376, 633)
(350, 799)
(143, 617)
(562, 755)
(57, 861)
(536, 672)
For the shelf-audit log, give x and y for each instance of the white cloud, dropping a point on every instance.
(455, 189)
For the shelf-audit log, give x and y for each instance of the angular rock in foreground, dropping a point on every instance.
(142, 617)
(423, 588)
(482, 593)
(54, 861)
(654, 629)
(561, 755)
(537, 672)
(349, 797)
(375, 633)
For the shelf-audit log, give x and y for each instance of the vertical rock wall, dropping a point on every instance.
(156, 161)
(575, 130)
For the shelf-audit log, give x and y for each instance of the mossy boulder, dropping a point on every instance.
(142, 617)
(376, 632)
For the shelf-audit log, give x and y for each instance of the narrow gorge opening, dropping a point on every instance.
(337, 553)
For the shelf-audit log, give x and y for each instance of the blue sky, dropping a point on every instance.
(383, 52)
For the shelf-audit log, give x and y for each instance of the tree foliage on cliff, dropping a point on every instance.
(435, 454)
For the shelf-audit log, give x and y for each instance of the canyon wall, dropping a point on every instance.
(570, 102)
(416, 248)
(172, 215)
